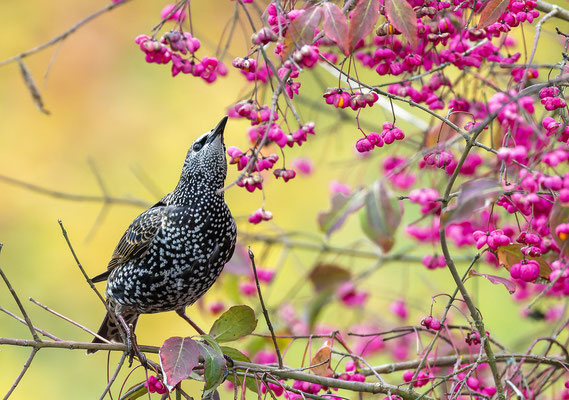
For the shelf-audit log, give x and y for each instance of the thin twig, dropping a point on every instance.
(114, 377)
(64, 34)
(89, 281)
(75, 197)
(265, 312)
(20, 305)
(45, 333)
(21, 374)
(63, 317)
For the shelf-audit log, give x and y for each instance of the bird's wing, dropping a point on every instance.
(137, 239)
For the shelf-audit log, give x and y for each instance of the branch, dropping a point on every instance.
(64, 34)
(20, 306)
(21, 374)
(547, 7)
(75, 197)
(265, 312)
(89, 281)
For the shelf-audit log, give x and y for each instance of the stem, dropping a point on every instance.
(265, 312)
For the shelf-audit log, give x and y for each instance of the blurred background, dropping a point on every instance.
(129, 122)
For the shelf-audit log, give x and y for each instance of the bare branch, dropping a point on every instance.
(89, 281)
(64, 34)
(63, 317)
(20, 305)
(265, 312)
(21, 374)
(75, 197)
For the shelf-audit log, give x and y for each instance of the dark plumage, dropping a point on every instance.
(173, 252)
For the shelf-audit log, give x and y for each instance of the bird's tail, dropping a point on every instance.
(110, 330)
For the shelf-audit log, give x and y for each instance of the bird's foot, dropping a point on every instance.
(134, 351)
(229, 361)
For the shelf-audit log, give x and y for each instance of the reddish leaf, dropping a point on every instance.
(323, 357)
(328, 276)
(178, 356)
(364, 18)
(491, 12)
(301, 30)
(511, 254)
(381, 216)
(342, 206)
(335, 26)
(496, 280)
(559, 215)
(401, 15)
(474, 195)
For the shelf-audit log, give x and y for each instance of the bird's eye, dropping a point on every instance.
(197, 146)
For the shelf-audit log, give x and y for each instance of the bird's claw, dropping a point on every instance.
(229, 361)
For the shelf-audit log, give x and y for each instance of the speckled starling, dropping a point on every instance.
(173, 252)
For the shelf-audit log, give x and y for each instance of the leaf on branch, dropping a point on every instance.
(322, 357)
(512, 254)
(335, 26)
(236, 355)
(559, 215)
(328, 276)
(496, 280)
(473, 196)
(401, 15)
(301, 30)
(135, 392)
(381, 216)
(492, 12)
(233, 324)
(214, 365)
(342, 206)
(178, 357)
(364, 18)
(32, 87)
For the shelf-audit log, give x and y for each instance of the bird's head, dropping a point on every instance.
(206, 162)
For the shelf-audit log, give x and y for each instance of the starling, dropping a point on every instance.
(173, 252)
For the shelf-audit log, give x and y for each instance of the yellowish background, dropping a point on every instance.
(109, 106)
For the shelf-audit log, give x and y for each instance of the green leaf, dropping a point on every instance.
(233, 324)
(342, 206)
(236, 355)
(214, 365)
(135, 392)
(381, 216)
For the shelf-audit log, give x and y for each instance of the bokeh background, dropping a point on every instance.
(133, 122)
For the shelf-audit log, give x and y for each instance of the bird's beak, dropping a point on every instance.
(218, 130)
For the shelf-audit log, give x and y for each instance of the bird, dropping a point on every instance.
(172, 253)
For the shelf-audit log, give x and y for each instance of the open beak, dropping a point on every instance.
(218, 130)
